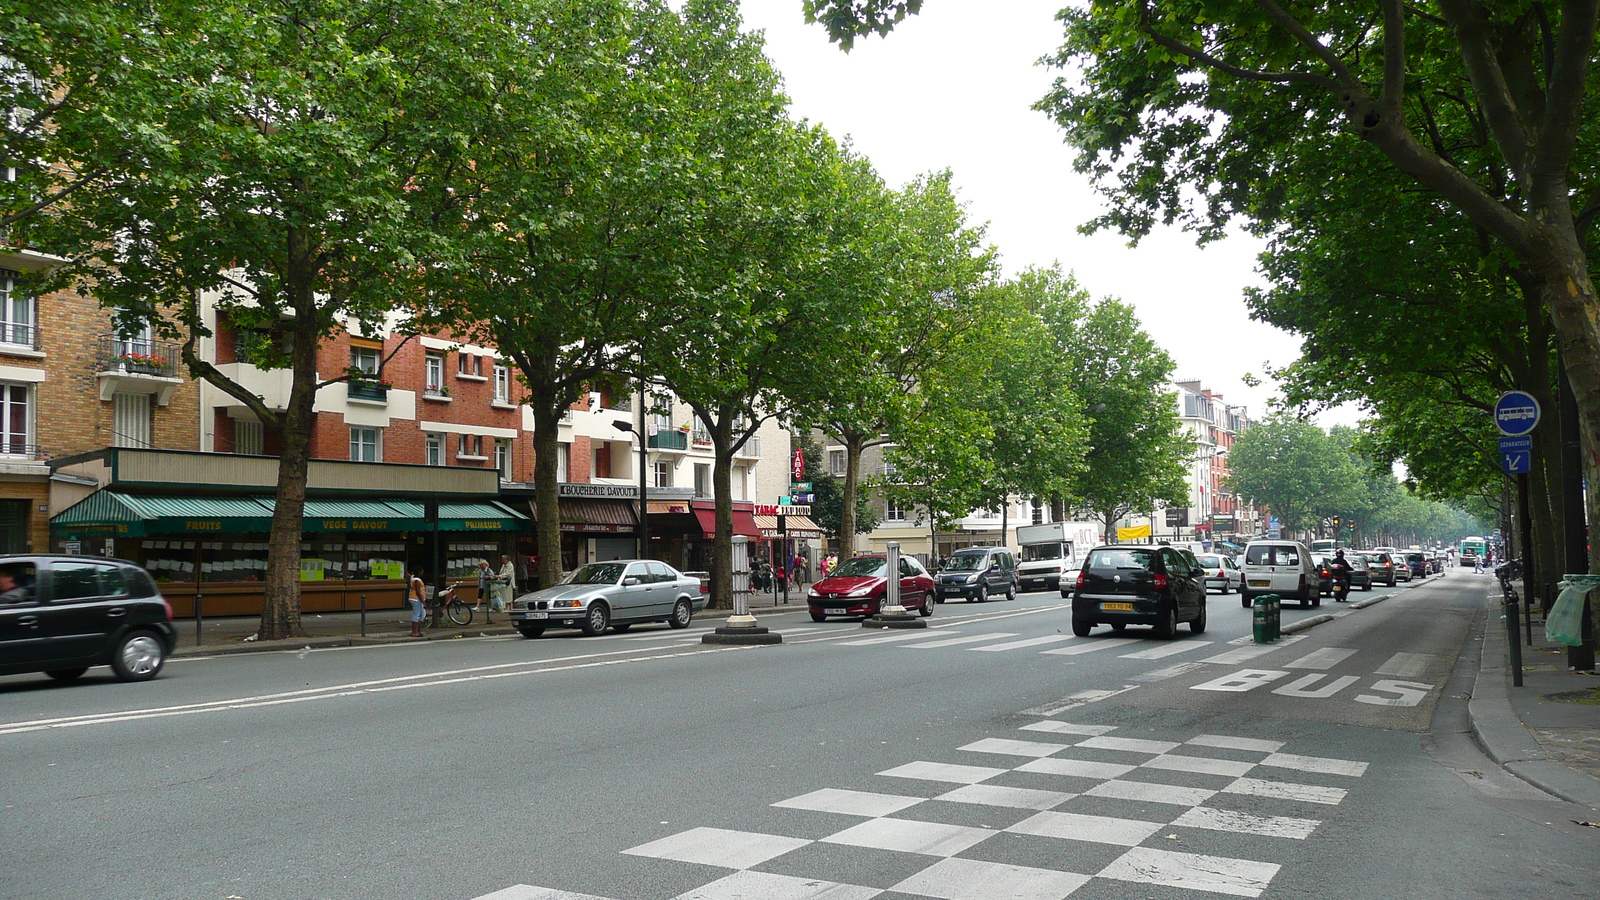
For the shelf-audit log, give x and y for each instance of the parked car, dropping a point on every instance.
(1417, 563)
(1279, 567)
(1384, 568)
(856, 587)
(617, 594)
(1138, 584)
(1222, 572)
(975, 573)
(62, 615)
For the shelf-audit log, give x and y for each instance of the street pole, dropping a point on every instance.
(890, 613)
(643, 529)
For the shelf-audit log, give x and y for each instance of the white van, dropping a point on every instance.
(1280, 567)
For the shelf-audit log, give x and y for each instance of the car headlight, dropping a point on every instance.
(860, 591)
(566, 604)
(973, 578)
(812, 592)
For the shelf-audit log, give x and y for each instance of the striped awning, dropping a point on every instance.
(796, 527)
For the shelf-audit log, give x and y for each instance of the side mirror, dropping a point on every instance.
(630, 581)
(1198, 572)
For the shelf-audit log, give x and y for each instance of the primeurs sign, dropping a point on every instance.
(600, 491)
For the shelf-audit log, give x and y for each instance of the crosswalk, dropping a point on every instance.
(1102, 805)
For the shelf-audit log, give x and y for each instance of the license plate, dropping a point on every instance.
(833, 611)
(535, 615)
(1116, 607)
(1254, 583)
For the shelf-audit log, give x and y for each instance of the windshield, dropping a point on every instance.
(1210, 562)
(860, 567)
(963, 562)
(598, 573)
(1119, 559)
(1042, 551)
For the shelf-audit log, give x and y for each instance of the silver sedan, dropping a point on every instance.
(616, 594)
(1222, 573)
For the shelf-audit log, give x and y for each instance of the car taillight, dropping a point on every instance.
(1160, 582)
(169, 608)
(1080, 581)
(1220, 574)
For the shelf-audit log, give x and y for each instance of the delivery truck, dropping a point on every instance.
(1052, 553)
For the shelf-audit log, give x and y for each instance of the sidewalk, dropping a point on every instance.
(226, 635)
(1537, 731)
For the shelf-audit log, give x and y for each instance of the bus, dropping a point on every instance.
(1326, 547)
(1471, 550)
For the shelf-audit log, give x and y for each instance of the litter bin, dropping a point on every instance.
(1264, 618)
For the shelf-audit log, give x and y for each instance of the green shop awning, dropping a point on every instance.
(466, 516)
(109, 514)
(352, 515)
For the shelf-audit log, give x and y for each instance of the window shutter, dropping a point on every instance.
(130, 419)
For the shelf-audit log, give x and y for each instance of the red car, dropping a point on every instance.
(856, 588)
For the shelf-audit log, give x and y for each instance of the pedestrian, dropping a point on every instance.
(485, 583)
(823, 567)
(797, 568)
(505, 585)
(778, 575)
(417, 599)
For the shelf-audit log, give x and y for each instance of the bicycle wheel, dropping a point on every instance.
(459, 612)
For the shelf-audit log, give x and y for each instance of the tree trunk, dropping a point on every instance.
(852, 486)
(280, 610)
(722, 488)
(546, 402)
(1570, 297)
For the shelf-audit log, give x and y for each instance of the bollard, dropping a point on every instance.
(1259, 629)
(1275, 616)
(363, 615)
(198, 638)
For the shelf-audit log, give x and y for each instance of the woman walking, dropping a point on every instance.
(505, 585)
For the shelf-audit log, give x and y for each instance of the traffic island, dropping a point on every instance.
(742, 629)
(890, 613)
(891, 619)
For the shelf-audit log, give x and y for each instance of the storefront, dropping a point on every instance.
(598, 522)
(365, 526)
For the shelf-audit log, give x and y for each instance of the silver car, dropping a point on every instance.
(616, 594)
(1222, 573)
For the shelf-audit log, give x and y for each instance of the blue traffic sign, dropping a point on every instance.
(1516, 413)
(1516, 462)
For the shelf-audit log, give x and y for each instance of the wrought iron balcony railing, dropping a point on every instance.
(138, 357)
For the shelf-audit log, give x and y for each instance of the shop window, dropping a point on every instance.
(433, 446)
(17, 323)
(365, 445)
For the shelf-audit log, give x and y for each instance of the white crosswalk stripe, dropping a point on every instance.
(1090, 646)
(951, 642)
(1172, 649)
(1405, 665)
(1323, 659)
(1028, 642)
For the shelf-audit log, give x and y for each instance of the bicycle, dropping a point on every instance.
(453, 607)
(1508, 572)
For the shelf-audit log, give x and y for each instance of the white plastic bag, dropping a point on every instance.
(1564, 625)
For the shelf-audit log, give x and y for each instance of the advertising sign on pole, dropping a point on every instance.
(798, 470)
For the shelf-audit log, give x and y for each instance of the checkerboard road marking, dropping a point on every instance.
(1044, 813)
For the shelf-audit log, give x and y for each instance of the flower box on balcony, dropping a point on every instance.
(377, 391)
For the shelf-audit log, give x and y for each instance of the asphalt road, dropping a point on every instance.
(992, 755)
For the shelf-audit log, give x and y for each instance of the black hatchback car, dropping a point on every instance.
(62, 614)
(1138, 584)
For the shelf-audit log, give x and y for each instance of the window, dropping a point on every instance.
(249, 437)
(136, 341)
(469, 364)
(664, 474)
(502, 384)
(364, 446)
(836, 462)
(365, 360)
(563, 461)
(661, 412)
(702, 479)
(16, 421)
(433, 449)
(889, 473)
(74, 581)
(896, 510)
(434, 374)
(752, 447)
(130, 419)
(502, 458)
(470, 445)
(16, 312)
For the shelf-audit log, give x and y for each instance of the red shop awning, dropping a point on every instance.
(744, 522)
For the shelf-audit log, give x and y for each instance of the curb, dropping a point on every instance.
(1505, 739)
(1303, 624)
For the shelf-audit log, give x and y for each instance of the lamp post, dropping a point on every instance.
(642, 529)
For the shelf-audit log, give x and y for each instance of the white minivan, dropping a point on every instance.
(1280, 567)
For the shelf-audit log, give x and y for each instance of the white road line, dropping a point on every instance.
(1168, 672)
(1132, 745)
(1070, 728)
(769, 886)
(1029, 642)
(1150, 792)
(1319, 764)
(1218, 874)
(1241, 655)
(1235, 743)
(1244, 823)
(1077, 827)
(1172, 649)
(933, 771)
(951, 642)
(1323, 659)
(1035, 749)
(1305, 793)
(968, 879)
(719, 847)
(1405, 665)
(907, 836)
(886, 639)
(1010, 797)
(1089, 646)
(1199, 765)
(1077, 768)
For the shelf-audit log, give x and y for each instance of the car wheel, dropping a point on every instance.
(67, 674)
(1011, 591)
(1367, 586)
(1066, 595)
(138, 657)
(927, 607)
(1315, 601)
(1198, 626)
(1244, 598)
(1167, 625)
(682, 613)
(1082, 628)
(596, 619)
(818, 617)
(983, 593)
(530, 631)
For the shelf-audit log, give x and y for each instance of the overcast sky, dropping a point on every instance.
(952, 88)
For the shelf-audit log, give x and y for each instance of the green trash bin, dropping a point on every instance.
(1264, 618)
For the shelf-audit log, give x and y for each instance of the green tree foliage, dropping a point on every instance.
(1292, 467)
(828, 509)
(847, 20)
(269, 158)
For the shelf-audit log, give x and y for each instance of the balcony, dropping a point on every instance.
(669, 440)
(137, 366)
(368, 390)
(19, 336)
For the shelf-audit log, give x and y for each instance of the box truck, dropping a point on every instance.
(1052, 553)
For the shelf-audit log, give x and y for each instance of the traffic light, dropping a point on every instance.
(1336, 523)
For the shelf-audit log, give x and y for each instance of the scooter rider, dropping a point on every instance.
(1339, 570)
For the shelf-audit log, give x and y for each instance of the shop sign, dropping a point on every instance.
(202, 525)
(603, 491)
(798, 470)
(482, 524)
(356, 525)
(765, 509)
(591, 528)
